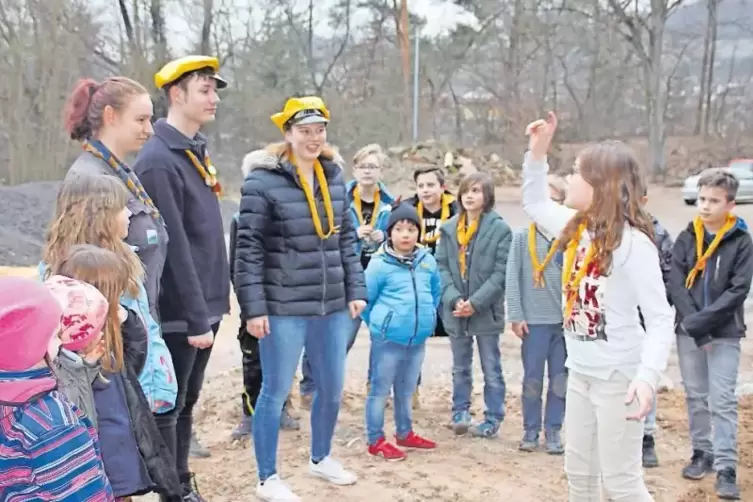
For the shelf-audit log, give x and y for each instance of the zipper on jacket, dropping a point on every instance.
(716, 270)
(415, 298)
(324, 277)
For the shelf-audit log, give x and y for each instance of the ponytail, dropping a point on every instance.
(76, 115)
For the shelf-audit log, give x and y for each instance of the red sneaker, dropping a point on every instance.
(386, 450)
(413, 440)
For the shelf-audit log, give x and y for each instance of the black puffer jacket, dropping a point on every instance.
(282, 267)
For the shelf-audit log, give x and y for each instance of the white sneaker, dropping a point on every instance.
(275, 490)
(332, 470)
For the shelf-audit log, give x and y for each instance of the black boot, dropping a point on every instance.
(190, 489)
(701, 463)
(726, 485)
(649, 452)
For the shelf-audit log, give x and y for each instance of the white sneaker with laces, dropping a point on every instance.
(274, 489)
(333, 471)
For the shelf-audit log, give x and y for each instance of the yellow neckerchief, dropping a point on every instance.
(464, 238)
(538, 268)
(443, 216)
(209, 175)
(309, 192)
(570, 283)
(702, 257)
(357, 203)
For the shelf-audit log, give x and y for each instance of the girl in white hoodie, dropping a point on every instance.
(610, 270)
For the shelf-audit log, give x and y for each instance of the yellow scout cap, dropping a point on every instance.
(305, 110)
(176, 68)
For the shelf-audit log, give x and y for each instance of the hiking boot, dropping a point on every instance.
(554, 443)
(413, 440)
(197, 450)
(726, 484)
(530, 441)
(190, 489)
(386, 450)
(701, 463)
(649, 452)
(487, 429)
(243, 429)
(287, 422)
(461, 422)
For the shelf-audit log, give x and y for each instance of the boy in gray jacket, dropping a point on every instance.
(534, 305)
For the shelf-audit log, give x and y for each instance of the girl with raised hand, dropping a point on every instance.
(610, 269)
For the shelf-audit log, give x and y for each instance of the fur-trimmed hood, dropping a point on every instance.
(269, 158)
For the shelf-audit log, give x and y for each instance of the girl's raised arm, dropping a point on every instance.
(547, 214)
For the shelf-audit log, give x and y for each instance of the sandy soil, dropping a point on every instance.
(462, 469)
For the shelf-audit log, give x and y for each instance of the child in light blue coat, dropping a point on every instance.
(404, 291)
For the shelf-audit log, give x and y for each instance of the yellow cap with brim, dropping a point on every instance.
(177, 68)
(299, 111)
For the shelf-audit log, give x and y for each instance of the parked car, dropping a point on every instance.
(743, 171)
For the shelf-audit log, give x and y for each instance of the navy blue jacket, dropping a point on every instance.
(282, 267)
(196, 280)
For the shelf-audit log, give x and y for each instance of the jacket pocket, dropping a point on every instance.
(386, 324)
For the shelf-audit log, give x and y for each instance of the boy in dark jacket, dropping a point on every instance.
(711, 275)
(251, 365)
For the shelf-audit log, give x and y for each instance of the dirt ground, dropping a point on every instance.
(461, 469)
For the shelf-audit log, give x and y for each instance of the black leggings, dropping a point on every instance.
(251, 371)
(175, 426)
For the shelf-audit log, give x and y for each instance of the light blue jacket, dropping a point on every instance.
(157, 378)
(386, 199)
(403, 297)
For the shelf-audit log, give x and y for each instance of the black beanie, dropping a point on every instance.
(404, 211)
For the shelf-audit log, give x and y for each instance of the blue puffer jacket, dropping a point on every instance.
(386, 199)
(403, 296)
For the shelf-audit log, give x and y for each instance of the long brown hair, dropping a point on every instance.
(86, 213)
(613, 171)
(102, 269)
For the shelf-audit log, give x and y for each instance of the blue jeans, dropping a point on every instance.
(462, 375)
(325, 339)
(307, 385)
(710, 381)
(543, 346)
(393, 366)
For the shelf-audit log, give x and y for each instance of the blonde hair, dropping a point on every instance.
(86, 213)
(102, 269)
(372, 149)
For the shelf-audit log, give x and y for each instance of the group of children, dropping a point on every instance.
(437, 264)
(82, 369)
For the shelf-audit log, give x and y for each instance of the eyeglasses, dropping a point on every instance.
(372, 167)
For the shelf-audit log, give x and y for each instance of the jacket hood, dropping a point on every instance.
(266, 159)
(384, 194)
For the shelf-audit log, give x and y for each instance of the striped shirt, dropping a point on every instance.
(524, 301)
(49, 450)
